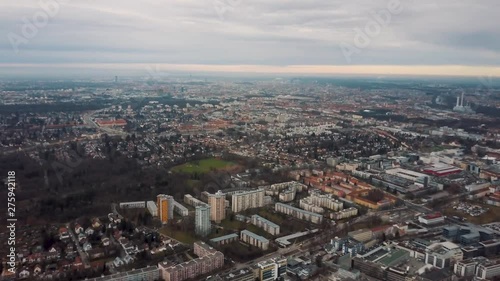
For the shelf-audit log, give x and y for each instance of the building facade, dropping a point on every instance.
(202, 220)
(271, 269)
(247, 200)
(298, 213)
(254, 239)
(180, 209)
(217, 204)
(226, 239)
(269, 226)
(165, 205)
(152, 208)
(208, 260)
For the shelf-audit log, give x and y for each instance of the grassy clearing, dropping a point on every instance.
(184, 237)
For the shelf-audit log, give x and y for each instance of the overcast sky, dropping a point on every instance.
(423, 36)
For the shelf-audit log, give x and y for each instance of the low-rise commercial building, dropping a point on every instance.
(443, 254)
(271, 269)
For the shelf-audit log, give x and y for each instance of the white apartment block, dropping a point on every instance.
(326, 201)
(133, 205)
(307, 204)
(285, 185)
(192, 201)
(344, 214)
(247, 200)
(298, 213)
(288, 195)
(152, 208)
(180, 209)
(254, 239)
(268, 226)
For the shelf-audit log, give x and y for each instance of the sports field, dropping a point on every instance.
(202, 166)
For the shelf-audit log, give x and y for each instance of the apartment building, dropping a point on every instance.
(247, 200)
(192, 201)
(202, 223)
(344, 214)
(133, 205)
(165, 205)
(180, 209)
(298, 213)
(307, 205)
(208, 260)
(268, 226)
(325, 201)
(217, 203)
(152, 208)
(254, 239)
(226, 239)
(287, 195)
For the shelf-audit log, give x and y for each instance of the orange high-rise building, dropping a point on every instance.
(165, 207)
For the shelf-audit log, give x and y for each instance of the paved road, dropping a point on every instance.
(83, 254)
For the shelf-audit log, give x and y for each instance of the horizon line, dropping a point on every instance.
(160, 68)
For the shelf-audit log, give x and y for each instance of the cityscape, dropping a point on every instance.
(187, 141)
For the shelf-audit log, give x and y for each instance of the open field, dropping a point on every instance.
(202, 166)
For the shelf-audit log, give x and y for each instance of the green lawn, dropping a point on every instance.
(274, 217)
(202, 166)
(184, 237)
(232, 225)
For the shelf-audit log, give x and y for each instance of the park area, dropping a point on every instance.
(203, 166)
